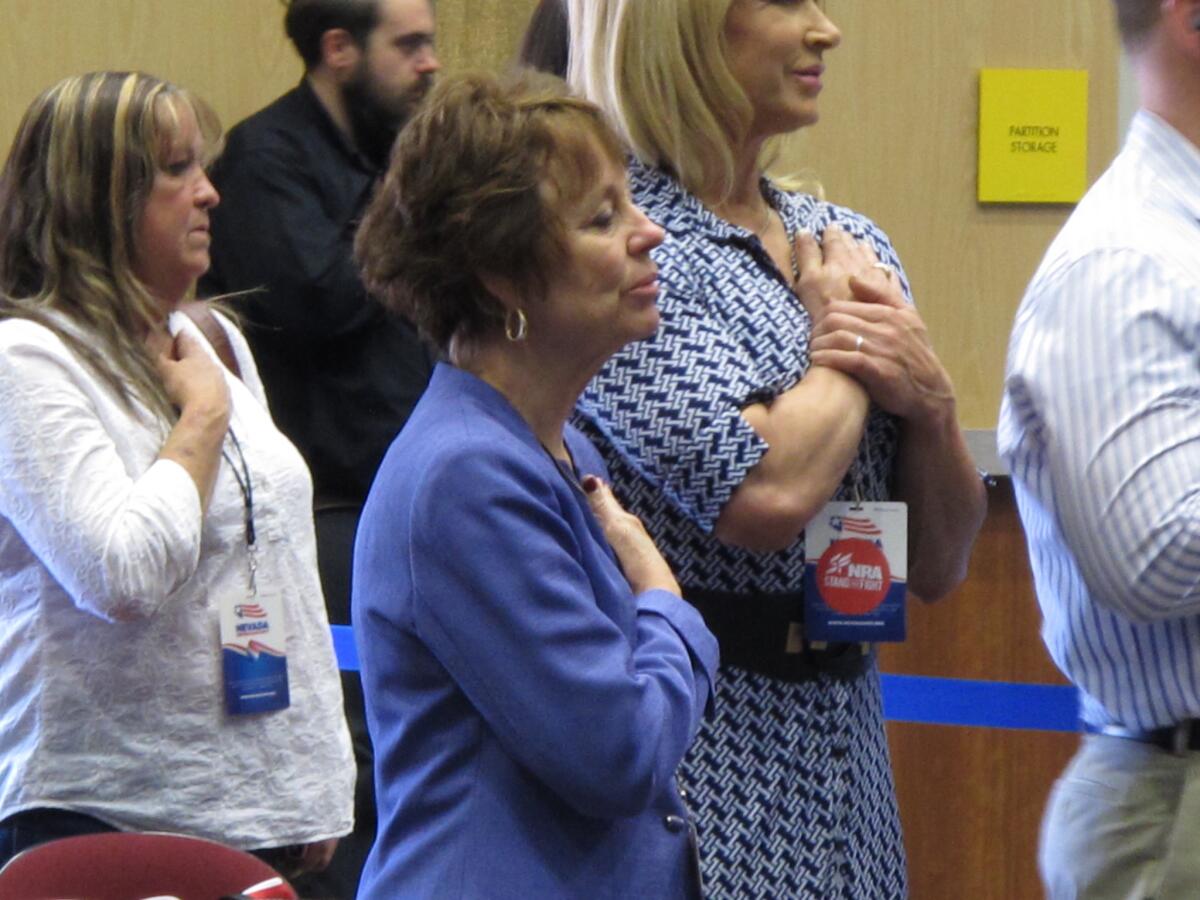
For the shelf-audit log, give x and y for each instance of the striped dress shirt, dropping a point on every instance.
(1100, 427)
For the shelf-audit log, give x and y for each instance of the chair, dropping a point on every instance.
(133, 865)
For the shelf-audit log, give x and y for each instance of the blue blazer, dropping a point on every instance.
(528, 710)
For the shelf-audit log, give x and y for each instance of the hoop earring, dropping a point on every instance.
(518, 333)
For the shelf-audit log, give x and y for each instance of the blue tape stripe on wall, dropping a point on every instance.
(343, 645)
(990, 704)
(911, 698)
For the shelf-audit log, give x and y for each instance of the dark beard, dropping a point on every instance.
(373, 123)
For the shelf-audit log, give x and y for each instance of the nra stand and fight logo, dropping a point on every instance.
(856, 572)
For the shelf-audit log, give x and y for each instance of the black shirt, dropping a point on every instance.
(341, 374)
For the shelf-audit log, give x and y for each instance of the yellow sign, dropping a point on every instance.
(1032, 135)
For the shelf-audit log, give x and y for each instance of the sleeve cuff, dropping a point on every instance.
(689, 624)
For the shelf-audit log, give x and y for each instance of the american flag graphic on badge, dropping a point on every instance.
(858, 526)
(249, 611)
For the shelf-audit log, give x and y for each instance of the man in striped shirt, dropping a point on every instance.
(1100, 426)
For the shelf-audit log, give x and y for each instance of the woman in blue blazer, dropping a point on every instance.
(532, 676)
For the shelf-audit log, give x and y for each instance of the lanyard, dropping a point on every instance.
(566, 469)
(246, 486)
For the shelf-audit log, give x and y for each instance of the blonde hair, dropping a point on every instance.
(658, 69)
(71, 194)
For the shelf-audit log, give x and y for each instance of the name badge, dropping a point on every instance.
(253, 654)
(856, 572)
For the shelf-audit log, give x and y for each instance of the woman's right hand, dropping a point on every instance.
(644, 566)
(827, 267)
(880, 339)
(194, 381)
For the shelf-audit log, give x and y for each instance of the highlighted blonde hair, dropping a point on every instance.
(72, 192)
(658, 69)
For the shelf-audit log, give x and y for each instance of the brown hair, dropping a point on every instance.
(306, 22)
(477, 184)
(1136, 19)
(547, 39)
(71, 194)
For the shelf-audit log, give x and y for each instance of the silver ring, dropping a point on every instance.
(887, 270)
(858, 342)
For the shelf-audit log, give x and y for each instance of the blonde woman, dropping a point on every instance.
(145, 495)
(790, 370)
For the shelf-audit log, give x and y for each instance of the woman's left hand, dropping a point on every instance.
(880, 339)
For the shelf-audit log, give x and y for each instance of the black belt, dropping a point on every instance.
(764, 633)
(1172, 738)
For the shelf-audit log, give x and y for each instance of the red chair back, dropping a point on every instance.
(132, 865)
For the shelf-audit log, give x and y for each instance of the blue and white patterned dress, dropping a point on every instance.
(790, 782)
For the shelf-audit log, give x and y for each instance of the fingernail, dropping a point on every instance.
(590, 483)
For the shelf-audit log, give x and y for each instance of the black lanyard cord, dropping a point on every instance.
(244, 483)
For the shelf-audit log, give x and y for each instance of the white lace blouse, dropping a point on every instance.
(111, 699)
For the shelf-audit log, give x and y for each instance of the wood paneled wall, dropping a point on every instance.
(971, 799)
(233, 53)
(896, 142)
(897, 139)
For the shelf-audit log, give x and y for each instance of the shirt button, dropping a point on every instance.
(674, 824)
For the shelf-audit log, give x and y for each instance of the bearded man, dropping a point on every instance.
(340, 375)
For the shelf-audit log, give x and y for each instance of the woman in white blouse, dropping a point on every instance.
(145, 496)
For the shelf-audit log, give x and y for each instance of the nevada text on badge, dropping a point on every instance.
(856, 572)
(253, 655)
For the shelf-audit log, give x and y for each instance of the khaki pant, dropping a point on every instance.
(1123, 823)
